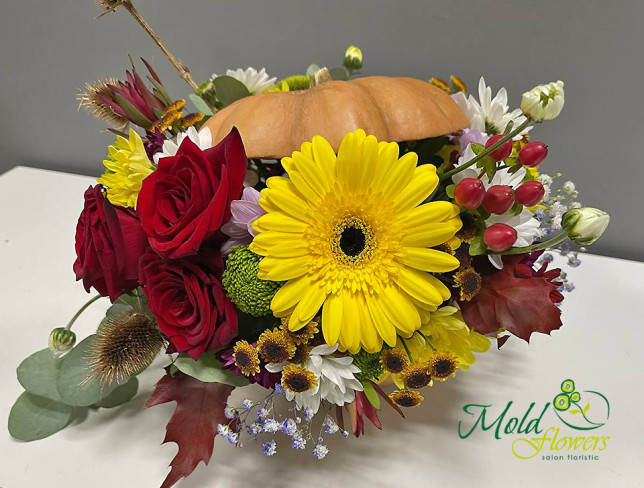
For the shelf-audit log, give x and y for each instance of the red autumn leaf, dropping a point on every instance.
(193, 425)
(518, 299)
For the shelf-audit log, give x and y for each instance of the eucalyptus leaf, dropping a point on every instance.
(72, 384)
(312, 69)
(229, 90)
(121, 394)
(33, 417)
(209, 370)
(338, 73)
(37, 374)
(200, 104)
(371, 394)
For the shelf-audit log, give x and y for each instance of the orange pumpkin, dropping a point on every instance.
(273, 125)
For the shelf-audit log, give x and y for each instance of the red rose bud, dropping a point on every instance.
(469, 193)
(500, 237)
(502, 152)
(498, 199)
(530, 193)
(533, 154)
(109, 243)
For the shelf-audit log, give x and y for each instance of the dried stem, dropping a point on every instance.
(111, 5)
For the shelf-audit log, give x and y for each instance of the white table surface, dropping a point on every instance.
(599, 346)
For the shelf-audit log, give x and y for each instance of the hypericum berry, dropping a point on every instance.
(498, 199)
(469, 193)
(500, 237)
(501, 153)
(533, 154)
(530, 193)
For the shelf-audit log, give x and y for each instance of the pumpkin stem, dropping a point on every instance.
(318, 77)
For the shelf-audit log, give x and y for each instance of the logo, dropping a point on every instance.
(570, 427)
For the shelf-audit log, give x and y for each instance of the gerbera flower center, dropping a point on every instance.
(352, 241)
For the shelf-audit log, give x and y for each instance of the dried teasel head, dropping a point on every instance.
(125, 344)
(91, 101)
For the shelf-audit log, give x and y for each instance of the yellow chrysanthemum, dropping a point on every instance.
(448, 332)
(348, 233)
(127, 165)
(281, 86)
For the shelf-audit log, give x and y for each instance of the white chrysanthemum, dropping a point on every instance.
(203, 139)
(336, 379)
(490, 115)
(501, 177)
(255, 81)
(525, 224)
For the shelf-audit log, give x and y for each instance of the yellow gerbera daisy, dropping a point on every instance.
(126, 166)
(348, 233)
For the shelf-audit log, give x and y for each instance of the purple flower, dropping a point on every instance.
(469, 136)
(269, 448)
(153, 142)
(263, 378)
(240, 226)
(320, 451)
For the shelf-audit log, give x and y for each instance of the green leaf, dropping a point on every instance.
(478, 246)
(574, 411)
(587, 407)
(229, 90)
(37, 374)
(477, 148)
(312, 69)
(33, 417)
(121, 394)
(516, 208)
(73, 371)
(200, 104)
(449, 190)
(490, 168)
(371, 394)
(338, 73)
(208, 369)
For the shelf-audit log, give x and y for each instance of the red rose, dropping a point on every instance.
(187, 199)
(109, 242)
(189, 302)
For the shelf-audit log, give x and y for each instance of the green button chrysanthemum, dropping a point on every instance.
(251, 294)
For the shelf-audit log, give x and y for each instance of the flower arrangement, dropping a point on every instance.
(343, 242)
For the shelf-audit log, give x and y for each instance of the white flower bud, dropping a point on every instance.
(353, 58)
(543, 102)
(61, 341)
(585, 225)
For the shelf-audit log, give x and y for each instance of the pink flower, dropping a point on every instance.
(240, 226)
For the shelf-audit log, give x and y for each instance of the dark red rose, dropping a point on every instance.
(189, 302)
(187, 199)
(109, 243)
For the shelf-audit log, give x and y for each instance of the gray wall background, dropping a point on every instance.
(49, 49)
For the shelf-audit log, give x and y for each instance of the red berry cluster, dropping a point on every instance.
(498, 199)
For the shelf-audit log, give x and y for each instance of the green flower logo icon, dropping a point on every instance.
(568, 405)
